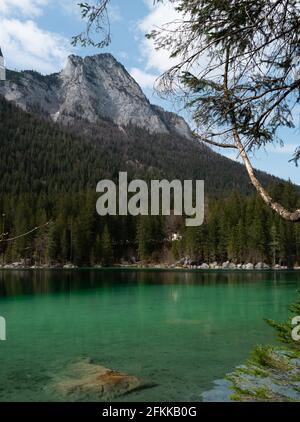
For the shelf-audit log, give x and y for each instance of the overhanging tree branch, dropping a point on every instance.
(278, 208)
(214, 143)
(3, 238)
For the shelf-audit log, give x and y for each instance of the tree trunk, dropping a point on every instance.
(293, 216)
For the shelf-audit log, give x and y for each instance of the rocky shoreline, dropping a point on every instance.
(181, 265)
(271, 374)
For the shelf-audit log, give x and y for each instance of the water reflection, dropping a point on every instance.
(24, 282)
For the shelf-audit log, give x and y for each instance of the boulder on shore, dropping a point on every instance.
(262, 266)
(70, 267)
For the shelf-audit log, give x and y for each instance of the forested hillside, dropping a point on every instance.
(49, 173)
(48, 158)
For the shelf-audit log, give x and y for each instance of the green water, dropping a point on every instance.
(179, 330)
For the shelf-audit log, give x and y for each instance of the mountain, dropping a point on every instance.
(66, 131)
(91, 88)
(60, 134)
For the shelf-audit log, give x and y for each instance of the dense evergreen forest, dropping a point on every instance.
(38, 156)
(237, 228)
(49, 173)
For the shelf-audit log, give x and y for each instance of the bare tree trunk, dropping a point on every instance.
(293, 216)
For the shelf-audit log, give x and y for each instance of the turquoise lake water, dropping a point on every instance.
(179, 330)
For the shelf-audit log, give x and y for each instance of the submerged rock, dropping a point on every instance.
(85, 379)
(221, 392)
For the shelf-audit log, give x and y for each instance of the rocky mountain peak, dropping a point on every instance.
(91, 88)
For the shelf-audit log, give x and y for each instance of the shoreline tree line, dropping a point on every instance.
(237, 228)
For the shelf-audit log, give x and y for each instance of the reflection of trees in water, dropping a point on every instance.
(49, 281)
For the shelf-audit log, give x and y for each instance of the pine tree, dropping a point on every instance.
(107, 250)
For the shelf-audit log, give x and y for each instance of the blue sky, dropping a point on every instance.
(36, 34)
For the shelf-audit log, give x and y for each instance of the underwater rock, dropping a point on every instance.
(221, 392)
(85, 379)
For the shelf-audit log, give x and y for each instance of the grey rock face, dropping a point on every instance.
(91, 88)
(174, 122)
(29, 90)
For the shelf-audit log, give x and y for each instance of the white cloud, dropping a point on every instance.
(29, 8)
(159, 15)
(144, 79)
(153, 62)
(164, 17)
(69, 8)
(26, 46)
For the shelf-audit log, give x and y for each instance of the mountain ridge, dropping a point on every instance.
(91, 88)
(72, 102)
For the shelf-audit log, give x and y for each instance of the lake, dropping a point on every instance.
(178, 330)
